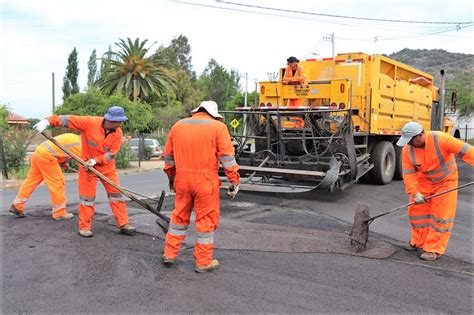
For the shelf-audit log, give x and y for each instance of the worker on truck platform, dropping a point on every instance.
(294, 75)
(194, 148)
(46, 163)
(429, 167)
(101, 141)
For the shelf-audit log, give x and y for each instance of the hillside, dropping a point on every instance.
(433, 60)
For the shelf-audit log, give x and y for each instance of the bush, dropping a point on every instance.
(15, 142)
(122, 159)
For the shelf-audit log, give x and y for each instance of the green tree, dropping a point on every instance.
(464, 87)
(3, 118)
(218, 84)
(95, 103)
(129, 71)
(70, 85)
(92, 66)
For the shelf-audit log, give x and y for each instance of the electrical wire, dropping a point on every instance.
(341, 16)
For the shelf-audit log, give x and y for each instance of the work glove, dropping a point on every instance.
(171, 183)
(91, 163)
(419, 198)
(41, 125)
(232, 191)
(65, 166)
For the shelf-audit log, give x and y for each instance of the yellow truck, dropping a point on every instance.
(353, 108)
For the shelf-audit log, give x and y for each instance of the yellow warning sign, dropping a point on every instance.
(234, 123)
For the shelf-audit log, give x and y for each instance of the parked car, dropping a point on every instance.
(152, 148)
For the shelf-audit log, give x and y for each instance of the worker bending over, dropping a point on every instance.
(101, 141)
(429, 167)
(45, 165)
(193, 151)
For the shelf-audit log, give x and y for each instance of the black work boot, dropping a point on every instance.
(409, 247)
(127, 229)
(168, 261)
(20, 214)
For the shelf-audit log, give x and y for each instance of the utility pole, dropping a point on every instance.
(330, 37)
(54, 102)
(246, 88)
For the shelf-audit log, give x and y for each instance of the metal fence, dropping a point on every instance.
(466, 133)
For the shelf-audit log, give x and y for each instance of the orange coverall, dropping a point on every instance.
(45, 165)
(430, 170)
(102, 147)
(297, 78)
(194, 148)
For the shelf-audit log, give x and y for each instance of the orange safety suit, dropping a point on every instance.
(194, 148)
(45, 165)
(102, 147)
(431, 170)
(296, 78)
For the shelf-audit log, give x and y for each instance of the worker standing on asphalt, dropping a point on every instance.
(294, 75)
(429, 167)
(194, 148)
(45, 165)
(101, 141)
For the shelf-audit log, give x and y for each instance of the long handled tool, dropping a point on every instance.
(360, 228)
(119, 188)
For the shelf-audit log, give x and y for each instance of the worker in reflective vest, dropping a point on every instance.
(101, 141)
(45, 166)
(294, 75)
(194, 148)
(429, 167)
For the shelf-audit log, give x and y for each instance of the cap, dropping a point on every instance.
(409, 131)
(210, 107)
(292, 59)
(115, 113)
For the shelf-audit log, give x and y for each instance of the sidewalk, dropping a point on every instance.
(145, 166)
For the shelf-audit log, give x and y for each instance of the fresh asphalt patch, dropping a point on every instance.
(48, 268)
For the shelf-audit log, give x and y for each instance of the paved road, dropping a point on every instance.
(340, 205)
(48, 268)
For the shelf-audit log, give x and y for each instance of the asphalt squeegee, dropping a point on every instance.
(360, 229)
(164, 224)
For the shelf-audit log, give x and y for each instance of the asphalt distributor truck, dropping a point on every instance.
(351, 114)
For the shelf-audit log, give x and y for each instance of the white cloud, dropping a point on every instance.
(37, 36)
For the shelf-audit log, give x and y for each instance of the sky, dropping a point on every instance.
(253, 37)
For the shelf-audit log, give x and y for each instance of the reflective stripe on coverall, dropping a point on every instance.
(45, 165)
(102, 147)
(194, 148)
(431, 170)
(297, 78)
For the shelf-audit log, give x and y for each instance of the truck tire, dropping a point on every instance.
(398, 175)
(383, 158)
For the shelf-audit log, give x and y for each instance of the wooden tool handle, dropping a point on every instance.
(105, 178)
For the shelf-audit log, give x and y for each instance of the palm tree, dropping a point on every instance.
(129, 71)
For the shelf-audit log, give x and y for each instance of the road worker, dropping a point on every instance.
(429, 167)
(101, 141)
(294, 75)
(46, 164)
(194, 148)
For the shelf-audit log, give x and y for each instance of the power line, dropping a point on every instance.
(339, 16)
(414, 35)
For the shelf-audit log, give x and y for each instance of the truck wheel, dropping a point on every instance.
(383, 158)
(398, 175)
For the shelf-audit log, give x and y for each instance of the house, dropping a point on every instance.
(15, 119)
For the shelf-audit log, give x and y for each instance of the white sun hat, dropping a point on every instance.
(409, 131)
(210, 107)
